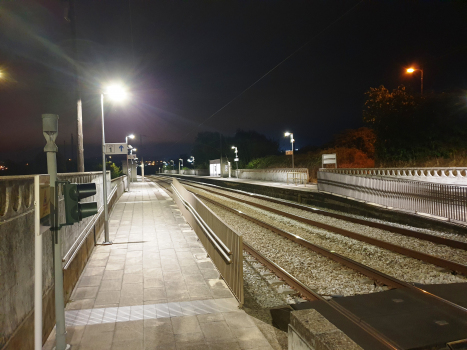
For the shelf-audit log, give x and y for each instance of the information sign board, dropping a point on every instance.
(132, 156)
(116, 148)
(288, 153)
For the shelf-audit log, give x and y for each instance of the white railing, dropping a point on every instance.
(441, 200)
(272, 174)
(447, 175)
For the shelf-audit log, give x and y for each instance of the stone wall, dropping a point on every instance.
(17, 254)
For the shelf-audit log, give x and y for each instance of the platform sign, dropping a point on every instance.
(132, 156)
(288, 153)
(236, 160)
(116, 148)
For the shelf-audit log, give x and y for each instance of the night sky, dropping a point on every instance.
(184, 60)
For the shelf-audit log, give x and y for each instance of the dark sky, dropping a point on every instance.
(187, 59)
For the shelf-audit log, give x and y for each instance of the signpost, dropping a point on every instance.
(116, 148)
(289, 153)
(132, 156)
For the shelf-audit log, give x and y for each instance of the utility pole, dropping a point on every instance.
(79, 108)
(50, 131)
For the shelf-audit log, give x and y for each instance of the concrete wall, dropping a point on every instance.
(198, 172)
(275, 175)
(309, 330)
(17, 255)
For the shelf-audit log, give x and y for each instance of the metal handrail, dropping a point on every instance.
(215, 240)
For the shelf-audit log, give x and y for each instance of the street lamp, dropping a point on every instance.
(192, 161)
(236, 157)
(115, 93)
(411, 70)
(291, 142)
(173, 164)
(180, 160)
(128, 169)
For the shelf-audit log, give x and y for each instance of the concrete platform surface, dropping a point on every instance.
(310, 187)
(154, 287)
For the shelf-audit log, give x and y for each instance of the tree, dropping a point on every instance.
(363, 139)
(250, 144)
(414, 127)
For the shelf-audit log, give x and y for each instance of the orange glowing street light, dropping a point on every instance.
(411, 70)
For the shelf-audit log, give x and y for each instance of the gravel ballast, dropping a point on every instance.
(396, 265)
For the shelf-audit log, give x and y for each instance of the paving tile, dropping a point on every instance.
(132, 330)
(238, 319)
(132, 278)
(89, 281)
(185, 324)
(207, 318)
(115, 284)
(154, 283)
(94, 271)
(134, 344)
(154, 294)
(155, 289)
(111, 275)
(107, 297)
(217, 331)
(130, 300)
(224, 346)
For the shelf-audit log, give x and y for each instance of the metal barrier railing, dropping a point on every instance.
(297, 177)
(447, 201)
(224, 246)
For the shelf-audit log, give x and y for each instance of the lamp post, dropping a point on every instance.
(236, 157)
(411, 70)
(173, 164)
(127, 169)
(192, 161)
(116, 93)
(180, 160)
(291, 143)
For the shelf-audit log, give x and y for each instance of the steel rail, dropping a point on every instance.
(365, 270)
(311, 295)
(373, 241)
(402, 231)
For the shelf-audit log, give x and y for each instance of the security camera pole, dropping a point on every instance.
(50, 131)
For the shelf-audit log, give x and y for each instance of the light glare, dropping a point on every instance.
(410, 70)
(131, 136)
(287, 134)
(116, 92)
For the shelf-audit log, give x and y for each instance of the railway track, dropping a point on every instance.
(376, 275)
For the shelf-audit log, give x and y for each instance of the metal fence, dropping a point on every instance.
(224, 246)
(447, 201)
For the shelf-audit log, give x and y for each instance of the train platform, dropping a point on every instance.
(154, 287)
(309, 187)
